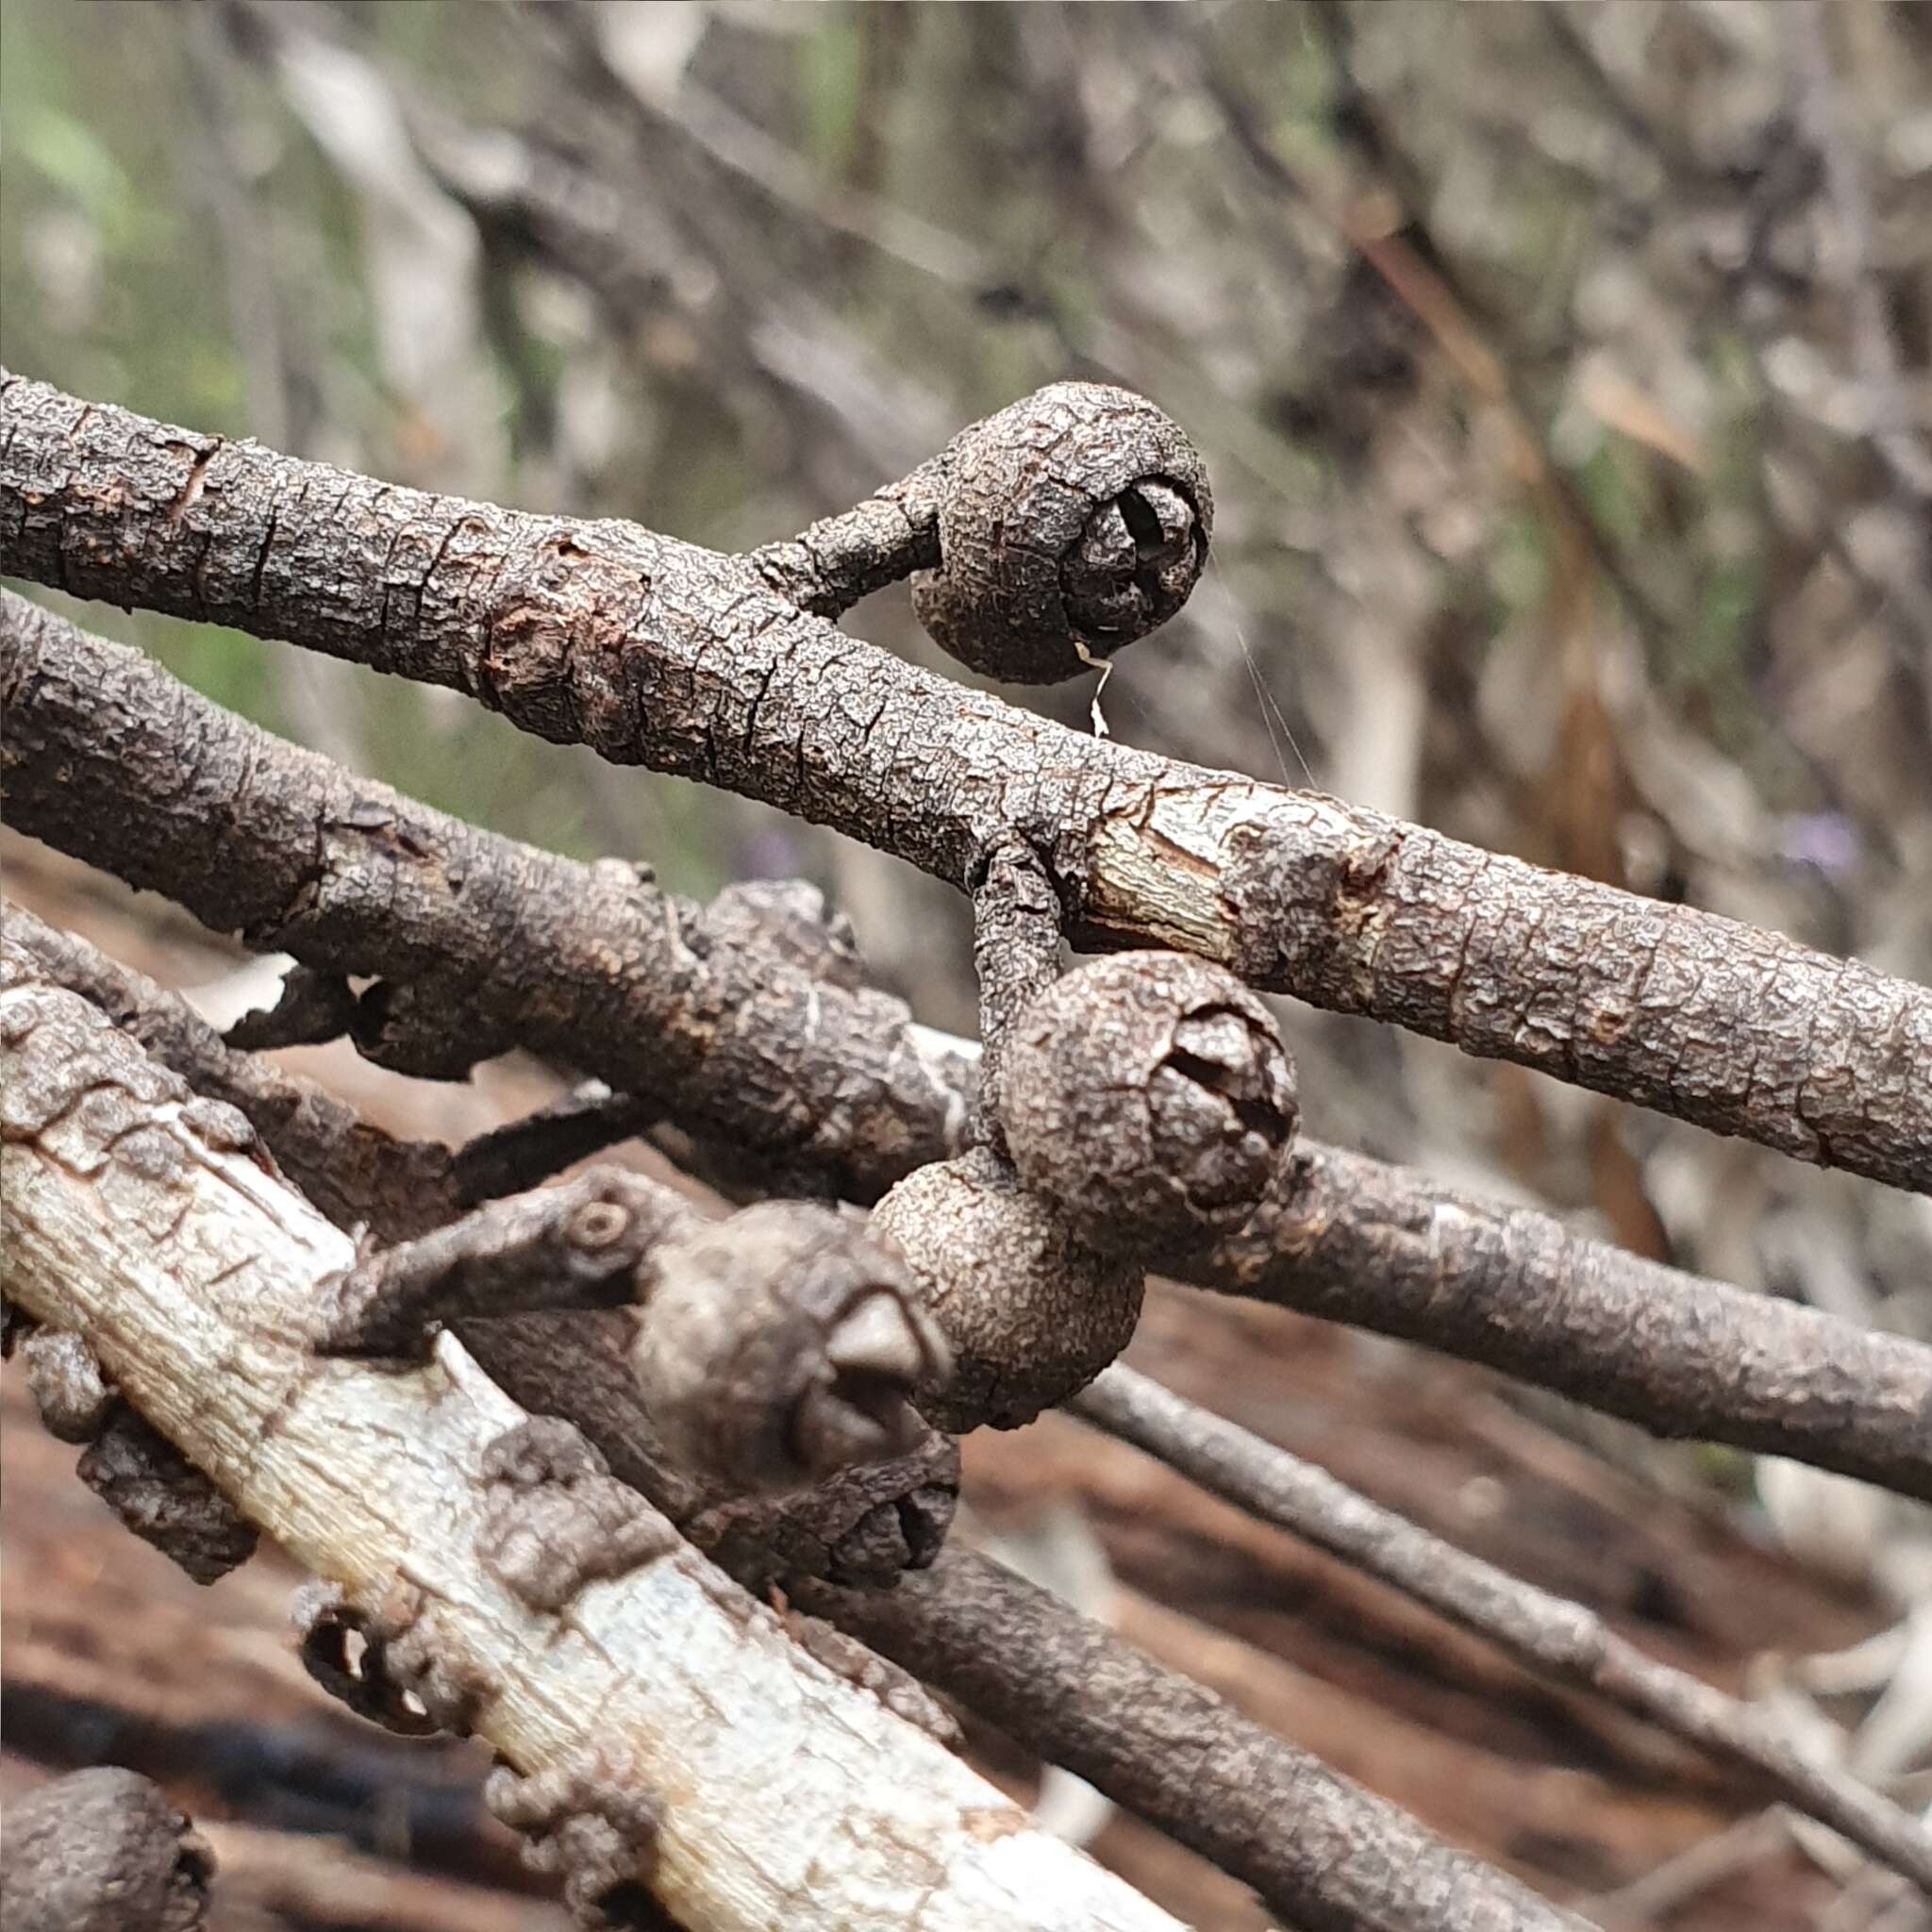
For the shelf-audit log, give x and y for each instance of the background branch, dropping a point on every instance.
(1532, 1625)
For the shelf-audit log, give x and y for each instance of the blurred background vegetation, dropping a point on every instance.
(1564, 372)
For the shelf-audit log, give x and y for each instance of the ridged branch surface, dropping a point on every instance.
(261, 835)
(660, 1715)
(655, 652)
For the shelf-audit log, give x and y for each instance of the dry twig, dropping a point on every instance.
(1563, 1640)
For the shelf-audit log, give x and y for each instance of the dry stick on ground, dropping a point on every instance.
(675, 1738)
(1532, 1625)
(864, 1525)
(1561, 1635)
(656, 651)
(1174, 1753)
(234, 834)
(1544, 1631)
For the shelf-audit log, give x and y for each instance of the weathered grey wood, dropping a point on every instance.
(148, 1222)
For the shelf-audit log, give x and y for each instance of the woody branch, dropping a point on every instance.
(832, 1087)
(653, 651)
(559, 1369)
(516, 1589)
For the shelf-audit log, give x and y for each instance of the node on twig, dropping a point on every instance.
(1030, 1312)
(1070, 524)
(1149, 1097)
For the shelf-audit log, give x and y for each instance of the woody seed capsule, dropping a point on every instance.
(1149, 1097)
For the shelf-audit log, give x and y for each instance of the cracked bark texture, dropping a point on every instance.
(481, 942)
(1342, 1237)
(657, 652)
(1678, 1353)
(187, 1267)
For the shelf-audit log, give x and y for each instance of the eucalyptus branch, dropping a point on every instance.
(1320, 1851)
(1016, 957)
(672, 1741)
(1338, 1236)
(1354, 1240)
(653, 651)
(1560, 1638)
(863, 1523)
(478, 943)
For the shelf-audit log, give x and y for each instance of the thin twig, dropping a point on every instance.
(1560, 1639)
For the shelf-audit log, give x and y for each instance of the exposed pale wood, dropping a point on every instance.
(788, 1797)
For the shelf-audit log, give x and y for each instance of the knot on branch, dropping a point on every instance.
(1148, 1096)
(782, 1344)
(1030, 1311)
(154, 1491)
(1070, 524)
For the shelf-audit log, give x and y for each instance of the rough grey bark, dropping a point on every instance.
(1016, 957)
(481, 943)
(1341, 1237)
(1563, 1640)
(1354, 1240)
(653, 651)
(102, 1850)
(1323, 1853)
